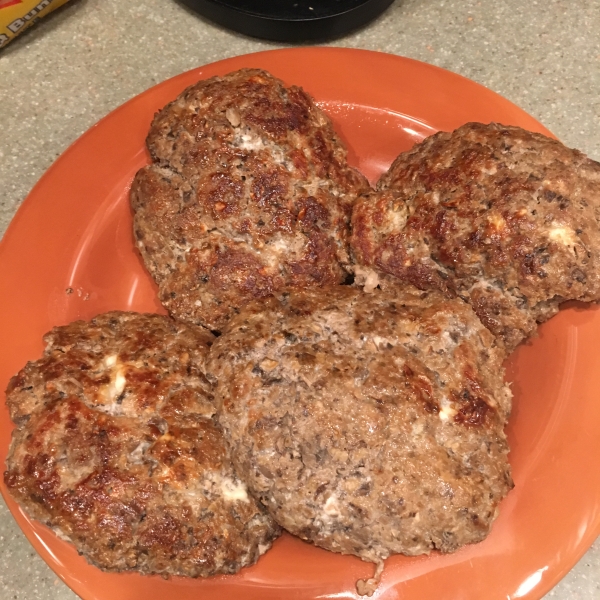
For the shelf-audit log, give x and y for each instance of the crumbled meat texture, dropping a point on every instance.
(504, 218)
(368, 424)
(116, 448)
(249, 191)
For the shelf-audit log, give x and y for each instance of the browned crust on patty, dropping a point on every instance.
(249, 192)
(505, 218)
(368, 424)
(117, 450)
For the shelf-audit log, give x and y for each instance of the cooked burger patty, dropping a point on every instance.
(505, 218)
(368, 424)
(116, 449)
(249, 191)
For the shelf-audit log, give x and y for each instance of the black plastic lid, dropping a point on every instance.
(290, 20)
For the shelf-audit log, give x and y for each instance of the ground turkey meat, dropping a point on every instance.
(368, 424)
(249, 191)
(117, 450)
(504, 218)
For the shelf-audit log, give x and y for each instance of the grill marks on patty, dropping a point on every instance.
(249, 192)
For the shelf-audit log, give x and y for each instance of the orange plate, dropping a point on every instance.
(74, 231)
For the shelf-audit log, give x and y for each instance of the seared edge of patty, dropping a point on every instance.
(117, 449)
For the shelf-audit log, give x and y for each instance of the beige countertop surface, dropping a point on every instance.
(90, 56)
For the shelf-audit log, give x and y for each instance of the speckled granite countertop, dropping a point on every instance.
(87, 58)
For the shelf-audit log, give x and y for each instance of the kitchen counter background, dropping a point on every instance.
(90, 56)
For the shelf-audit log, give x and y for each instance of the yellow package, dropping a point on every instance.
(17, 15)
